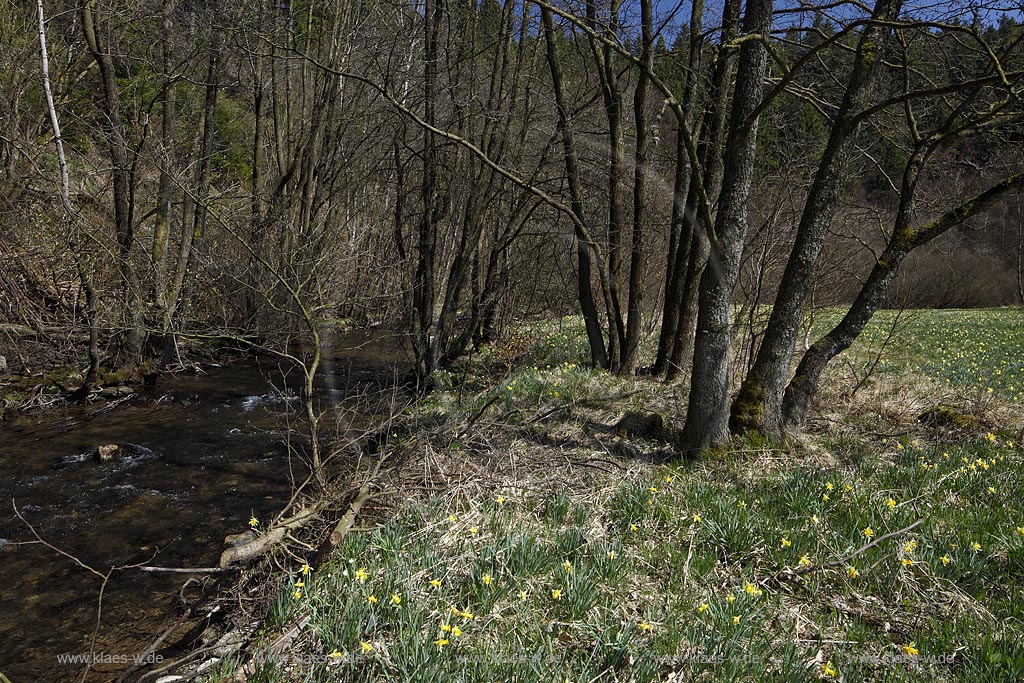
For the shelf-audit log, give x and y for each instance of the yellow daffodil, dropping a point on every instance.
(785, 543)
(945, 559)
(336, 655)
(361, 575)
(300, 583)
(890, 503)
(567, 566)
(906, 562)
(306, 569)
(668, 479)
(702, 608)
(824, 497)
(804, 561)
(556, 594)
(696, 517)
(868, 532)
(522, 595)
(736, 619)
(852, 572)
(441, 642)
(976, 546)
(473, 530)
(500, 500)
(752, 589)
(435, 582)
(452, 518)
(644, 626)
(365, 646)
(488, 579)
(372, 599)
(297, 594)
(396, 599)
(456, 631)
(828, 671)
(829, 486)
(730, 598)
(611, 554)
(253, 522)
(742, 505)
(911, 649)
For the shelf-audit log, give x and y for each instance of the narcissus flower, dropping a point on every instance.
(473, 530)
(644, 626)
(868, 532)
(500, 500)
(702, 608)
(804, 561)
(556, 594)
(488, 579)
(372, 599)
(906, 562)
(336, 655)
(736, 619)
(785, 543)
(567, 566)
(361, 575)
(441, 642)
(852, 572)
(365, 646)
(890, 503)
(976, 546)
(828, 671)
(297, 594)
(435, 582)
(911, 649)
(253, 522)
(945, 559)
(396, 599)
(752, 589)
(730, 598)
(456, 631)
(306, 569)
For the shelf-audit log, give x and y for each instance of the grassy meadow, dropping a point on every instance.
(530, 540)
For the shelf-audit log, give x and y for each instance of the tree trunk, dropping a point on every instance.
(707, 415)
(636, 258)
(117, 145)
(584, 250)
(758, 406)
(691, 258)
(679, 240)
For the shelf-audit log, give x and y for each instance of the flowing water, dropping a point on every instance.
(206, 453)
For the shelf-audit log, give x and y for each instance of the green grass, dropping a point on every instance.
(754, 565)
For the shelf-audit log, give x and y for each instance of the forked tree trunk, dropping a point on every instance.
(758, 406)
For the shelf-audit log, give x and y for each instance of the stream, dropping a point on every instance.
(207, 452)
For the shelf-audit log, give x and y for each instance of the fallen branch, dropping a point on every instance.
(349, 518)
(264, 542)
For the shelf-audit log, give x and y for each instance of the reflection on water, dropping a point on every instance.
(206, 453)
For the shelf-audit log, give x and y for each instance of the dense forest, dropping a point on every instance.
(693, 179)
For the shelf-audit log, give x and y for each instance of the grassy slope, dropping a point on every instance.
(551, 549)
